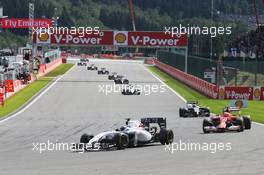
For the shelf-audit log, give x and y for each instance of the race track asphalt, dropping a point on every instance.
(74, 106)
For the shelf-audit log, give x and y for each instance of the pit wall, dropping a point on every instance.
(13, 86)
(209, 89)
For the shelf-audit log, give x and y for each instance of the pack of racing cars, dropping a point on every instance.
(230, 120)
(133, 134)
(154, 130)
(126, 89)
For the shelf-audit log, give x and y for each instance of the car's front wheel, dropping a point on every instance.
(247, 122)
(85, 138)
(122, 141)
(206, 123)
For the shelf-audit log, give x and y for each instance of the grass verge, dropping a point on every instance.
(255, 109)
(20, 98)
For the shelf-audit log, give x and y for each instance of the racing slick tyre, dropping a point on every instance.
(125, 81)
(166, 136)
(137, 93)
(122, 141)
(118, 82)
(247, 122)
(239, 122)
(180, 112)
(85, 138)
(95, 68)
(88, 68)
(206, 123)
(99, 72)
(107, 72)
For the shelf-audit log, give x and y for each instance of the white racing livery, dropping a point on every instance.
(132, 134)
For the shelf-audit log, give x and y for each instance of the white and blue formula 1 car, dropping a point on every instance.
(134, 133)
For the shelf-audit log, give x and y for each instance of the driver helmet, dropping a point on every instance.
(227, 114)
(189, 106)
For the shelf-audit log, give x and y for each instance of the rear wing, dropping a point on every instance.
(231, 109)
(147, 122)
(192, 102)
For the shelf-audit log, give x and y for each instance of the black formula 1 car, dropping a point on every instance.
(134, 133)
(228, 121)
(130, 90)
(92, 67)
(114, 76)
(193, 109)
(83, 62)
(121, 81)
(103, 71)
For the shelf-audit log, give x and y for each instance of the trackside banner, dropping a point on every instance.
(1, 99)
(1, 96)
(16, 23)
(9, 86)
(64, 37)
(262, 93)
(114, 38)
(156, 39)
(245, 93)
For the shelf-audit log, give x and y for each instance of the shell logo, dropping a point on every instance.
(221, 93)
(239, 103)
(43, 37)
(257, 93)
(120, 38)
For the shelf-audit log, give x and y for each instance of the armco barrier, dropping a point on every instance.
(200, 85)
(46, 68)
(17, 85)
(1, 95)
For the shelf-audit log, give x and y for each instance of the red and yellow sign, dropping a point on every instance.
(262, 93)
(1, 99)
(117, 38)
(9, 86)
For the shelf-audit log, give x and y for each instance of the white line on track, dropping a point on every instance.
(36, 98)
(176, 93)
(260, 124)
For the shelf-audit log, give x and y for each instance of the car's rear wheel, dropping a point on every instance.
(247, 122)
(180, 112)
(125, 81)
(118, 82)
(166, 136)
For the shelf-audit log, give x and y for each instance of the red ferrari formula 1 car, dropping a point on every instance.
(229, 121)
